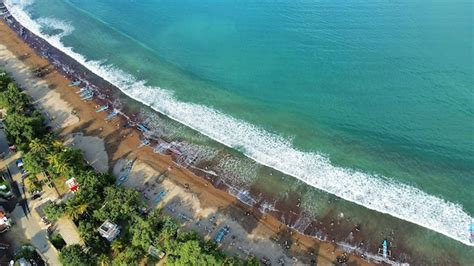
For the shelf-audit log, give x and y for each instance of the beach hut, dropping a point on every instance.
(155, 252)
(109, 230)
(72, 184)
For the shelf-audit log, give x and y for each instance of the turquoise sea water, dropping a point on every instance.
(382, 88)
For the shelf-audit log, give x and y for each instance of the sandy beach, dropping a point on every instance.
(189, 198)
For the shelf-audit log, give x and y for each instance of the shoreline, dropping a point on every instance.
(118, 148)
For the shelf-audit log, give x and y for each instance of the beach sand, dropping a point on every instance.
(93, 149)
(188, 197)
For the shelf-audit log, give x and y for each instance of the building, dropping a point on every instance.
(5, 222)
(109, 230)
(72, 184)
(155, 252)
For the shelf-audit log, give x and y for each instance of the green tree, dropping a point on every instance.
(57, 146)
(34, 162)
(129, 256)
(145, 232)
(192, 253)
(54, 211)
(117, 246)
(92, 186)
(33, 184)
(4, 80)
(14, 99)
(169, 229)
(22, 129)
(74, 255)
(251, 261)
(56, 164)
(120, 204)
(39, 147)
(97, 244)
(74, 209)
(103, 260)
(66, 162)
(232, 261)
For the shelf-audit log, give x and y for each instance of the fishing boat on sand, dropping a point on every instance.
(384, 249)
(142, 128)
(125, 172)
(144, 142)
(86, 92)
(83, 89)
(160, 196)
(87, 96)
(102, 108)
(74, 83)
(112, 115)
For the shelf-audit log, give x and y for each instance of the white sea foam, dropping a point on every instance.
(374, 192)
(56, 24)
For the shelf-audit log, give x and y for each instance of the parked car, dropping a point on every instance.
(19, 163)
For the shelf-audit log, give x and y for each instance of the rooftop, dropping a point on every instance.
(109, 230)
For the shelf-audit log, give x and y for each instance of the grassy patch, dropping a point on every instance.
(60, 184)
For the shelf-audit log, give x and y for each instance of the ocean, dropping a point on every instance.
(360, 109)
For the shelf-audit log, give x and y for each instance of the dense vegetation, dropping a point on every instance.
(98, 199)
(30, 254)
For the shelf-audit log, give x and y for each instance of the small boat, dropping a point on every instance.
(160, 196)
(74, 83)
(112, 115)
(125, 173)
(161, 148)
(142, 128)
(82, 89)
(144, 142)
(102, 108)
(122, 179)
(88, 97)
(86, 94)
(384, 249)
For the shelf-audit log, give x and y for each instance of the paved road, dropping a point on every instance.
(28, 226)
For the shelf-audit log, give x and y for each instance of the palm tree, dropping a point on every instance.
(117, 246)
(57, 145)
(103, 260)
(53, 159)
(74, 211)
(59, 164)
(38, 146)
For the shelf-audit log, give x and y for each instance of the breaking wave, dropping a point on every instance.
(374, 192)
